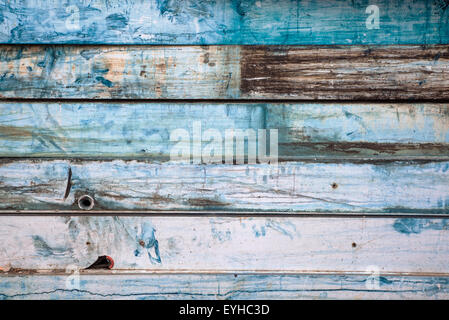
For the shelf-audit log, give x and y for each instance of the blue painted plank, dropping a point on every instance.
(339, 187)
(221, 286)
(225, 22)
(305, 130)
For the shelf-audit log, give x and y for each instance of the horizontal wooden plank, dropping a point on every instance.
(305, 130)
(221, 286)
(119, 72)
(378, 73)
(293, 186)
(225, 72)
(224, 22)
(396, 246)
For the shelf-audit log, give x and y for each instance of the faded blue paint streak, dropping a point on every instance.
(44, 250)
(147, 242)
(414, 226)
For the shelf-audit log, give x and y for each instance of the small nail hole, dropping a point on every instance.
(354, 244)
(142, 243)
(86, 202)
(334, 185)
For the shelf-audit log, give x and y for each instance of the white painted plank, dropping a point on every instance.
(233, 244)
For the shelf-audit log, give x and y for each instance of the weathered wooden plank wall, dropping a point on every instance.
(251, 22)
(91, 92)
(225, 72)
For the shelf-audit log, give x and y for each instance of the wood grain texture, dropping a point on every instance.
(133, 130)
(119, 72)
(225, 72)
(342, 159)
(212, 244)
(222, 286)
(305, 130)
(404, 187)
(223, 22)
(381, 73)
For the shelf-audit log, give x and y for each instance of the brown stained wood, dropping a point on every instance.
(345, 72)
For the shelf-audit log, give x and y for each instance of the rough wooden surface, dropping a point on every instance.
(212, 244)
(305, 130)
(224, 231)
(119, 72)
(225, 72)
(224, 22)
(293, 186)
(222, 286)
(381, 73)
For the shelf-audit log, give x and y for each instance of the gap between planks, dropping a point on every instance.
(308, 159)
(237, 101)
(214, 214)
(45, 272)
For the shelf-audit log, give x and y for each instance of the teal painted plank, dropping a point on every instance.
(225, 72)
(163, 244)
(305, 130)
(380, 187)
(224, 22)
(221, 286)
